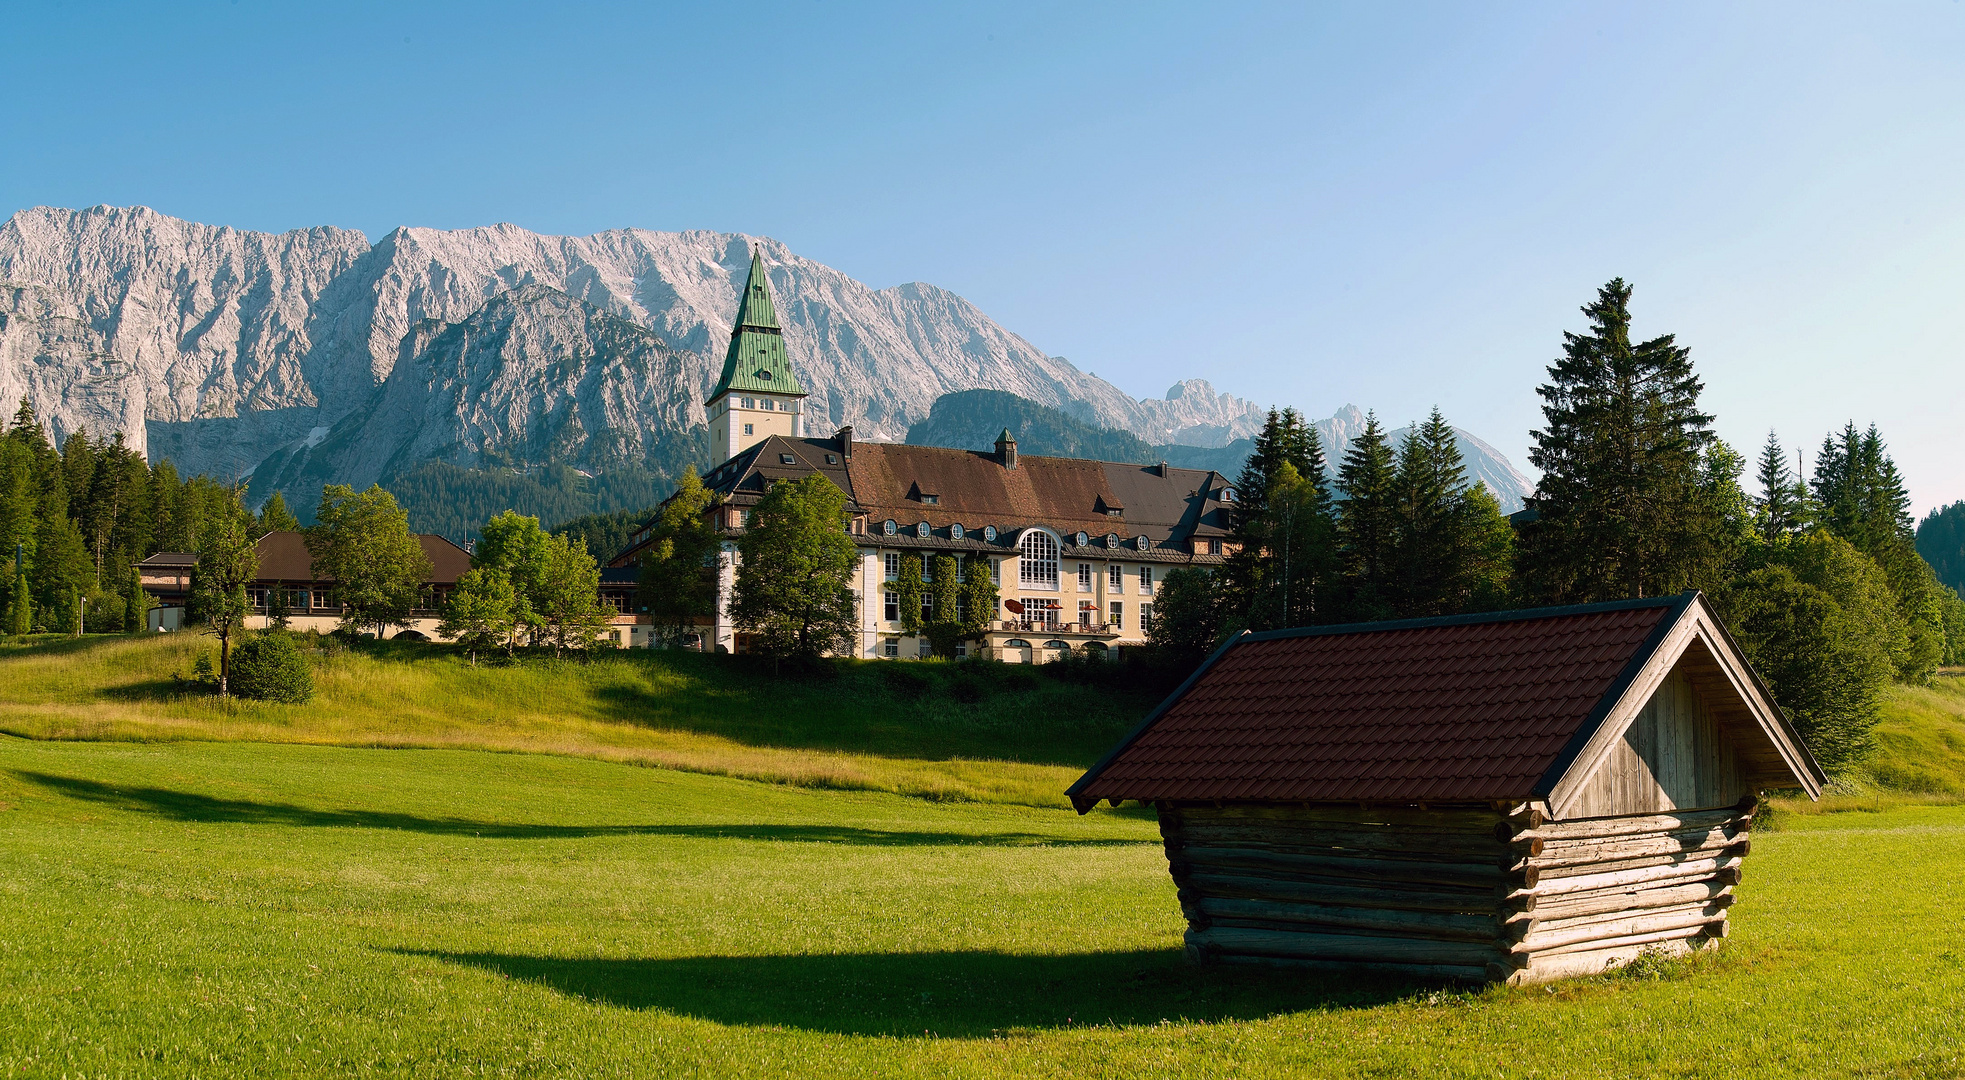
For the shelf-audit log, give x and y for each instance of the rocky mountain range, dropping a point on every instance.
(314, 355)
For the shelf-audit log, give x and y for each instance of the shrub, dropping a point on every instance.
(270, 668)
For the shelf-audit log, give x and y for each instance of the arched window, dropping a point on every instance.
(1060, 646)
(889, 527)
(955, 531)
(989, 533)
(1038, 567)
(921, 529)
(1016, 643)
(1083, 539)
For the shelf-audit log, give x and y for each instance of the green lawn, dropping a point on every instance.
(198, 909)
(986, 731)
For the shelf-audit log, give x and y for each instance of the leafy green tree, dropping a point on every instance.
(567, 602)
(481, 612)
(677, 583)
(1620, 510)
(1295, 568)
(362, 544)
(227, 562)
(1187, 616)
(136, 603)
(275, 517)
(1827, 673)
(1368, 524)
(1254, 594)
(910, 589)
(20, 607)
(794, 582)
(514, 543)
(270, 667)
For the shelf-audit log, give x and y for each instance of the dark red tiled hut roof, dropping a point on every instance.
(1464, 709)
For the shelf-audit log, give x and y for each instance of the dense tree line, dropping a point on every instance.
(1820, 578)
(1941, 540)
(78, 519)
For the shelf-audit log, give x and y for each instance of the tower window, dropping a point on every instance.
(747, 430)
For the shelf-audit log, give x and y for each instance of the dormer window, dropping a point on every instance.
(1227, 494)
(989, 533)
(922, 530)
(889, 527)
(1082, 539)
(931, 500)
(955, 531)
(832, 459)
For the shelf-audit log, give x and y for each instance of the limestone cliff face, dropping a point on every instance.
(314, 353)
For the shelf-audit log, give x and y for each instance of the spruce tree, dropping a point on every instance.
(1620, 510)
(1253, 595)
(1367, 524)
(1782, 503)
(275, 517)
(1429, 483)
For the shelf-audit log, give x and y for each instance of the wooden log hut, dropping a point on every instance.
(1516, 796)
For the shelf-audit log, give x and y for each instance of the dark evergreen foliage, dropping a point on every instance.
(1782, 506)
(1368, 525)
(606, 534)
(1941, 540)
(1620, 511)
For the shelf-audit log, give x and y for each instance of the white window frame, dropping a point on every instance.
(1115, 578)
(1085, 577)
(1146, 581)
(1038, 562)
(1118, 616)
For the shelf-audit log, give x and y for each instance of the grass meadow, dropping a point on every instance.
(869, 875)
(989, 732)
(200, 909)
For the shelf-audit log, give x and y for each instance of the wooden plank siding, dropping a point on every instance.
(1674, 755)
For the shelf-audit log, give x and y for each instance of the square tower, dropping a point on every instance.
(758, 395)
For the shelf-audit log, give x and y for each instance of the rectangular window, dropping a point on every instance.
(1146, 581)
(892, 561)
(1084, 577)
(747, 429)
(996, 570)
(893, 607)
(928, 606)
(927, 650)
(1118, 619)
(891, 647)
(1087, 612)
(1146, 617)
(1115, 580)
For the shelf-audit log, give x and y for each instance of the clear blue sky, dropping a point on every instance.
(1387, 204)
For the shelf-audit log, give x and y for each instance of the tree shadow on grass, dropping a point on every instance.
(191, 806)
(954, 994)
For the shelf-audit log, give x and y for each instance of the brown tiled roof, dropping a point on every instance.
(1466, 709)
(283, 556)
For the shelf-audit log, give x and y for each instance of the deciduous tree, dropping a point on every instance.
(362, 544)
(678, 579)
(481, 612)
(227, 561)
(794, 583)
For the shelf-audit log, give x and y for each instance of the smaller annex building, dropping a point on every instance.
(1516, 796)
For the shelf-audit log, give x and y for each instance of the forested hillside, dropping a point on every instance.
(1941, 540)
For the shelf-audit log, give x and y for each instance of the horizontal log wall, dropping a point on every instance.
(1450, 892)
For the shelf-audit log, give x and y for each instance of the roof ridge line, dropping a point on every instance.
(1472, 618)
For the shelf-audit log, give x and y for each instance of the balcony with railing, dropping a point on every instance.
(1054, 628)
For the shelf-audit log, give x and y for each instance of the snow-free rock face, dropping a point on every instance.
(313, 354)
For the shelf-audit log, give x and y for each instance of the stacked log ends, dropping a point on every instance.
(1468, 893)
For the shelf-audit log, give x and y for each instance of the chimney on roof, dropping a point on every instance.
(1161, 469)
(1006, 449)
(845, 437)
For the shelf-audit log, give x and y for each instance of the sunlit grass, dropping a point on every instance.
(262, 910)
(927, 730)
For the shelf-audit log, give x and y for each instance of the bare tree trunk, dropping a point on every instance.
(225, 661)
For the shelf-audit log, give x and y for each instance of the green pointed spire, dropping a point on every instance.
(756, 361)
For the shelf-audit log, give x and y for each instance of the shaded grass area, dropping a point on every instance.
(267, 910)
(980, 731)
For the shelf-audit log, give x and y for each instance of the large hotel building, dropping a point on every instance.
(1078, 547)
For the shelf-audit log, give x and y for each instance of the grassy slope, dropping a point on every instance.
(239, 909)
(995, 733)
(1920, 752)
